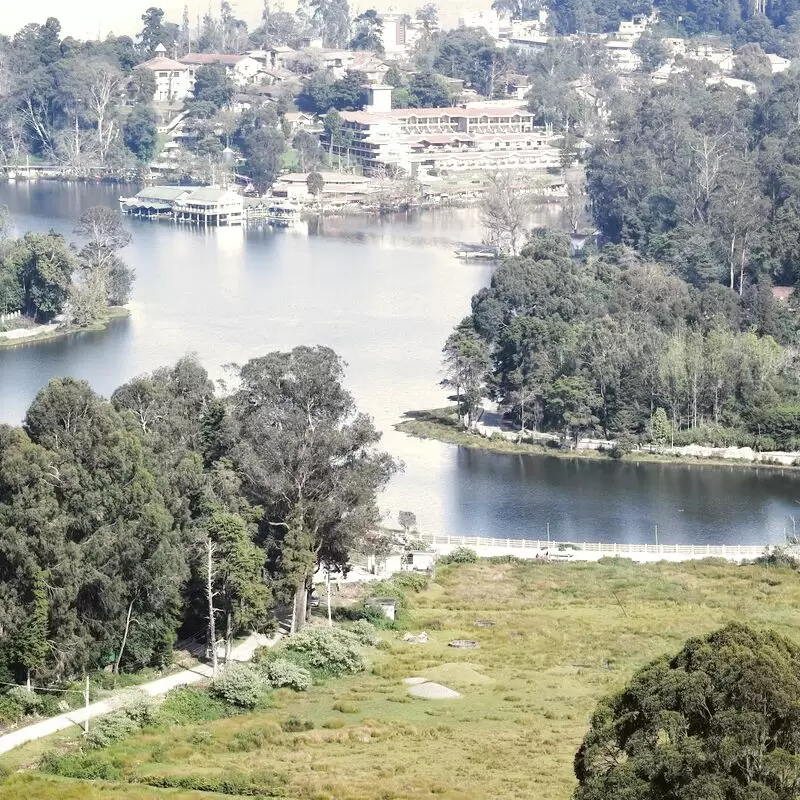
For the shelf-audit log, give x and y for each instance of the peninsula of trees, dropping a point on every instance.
(42, 276)
(116, 516)
(672, 331)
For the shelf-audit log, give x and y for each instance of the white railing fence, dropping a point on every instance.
(721, 550)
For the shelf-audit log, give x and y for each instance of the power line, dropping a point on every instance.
(42, 688)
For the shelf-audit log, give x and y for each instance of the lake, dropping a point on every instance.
(384, 293)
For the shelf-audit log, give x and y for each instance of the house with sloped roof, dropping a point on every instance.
(242, 70)
(174, 81)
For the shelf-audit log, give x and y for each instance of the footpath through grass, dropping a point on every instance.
(563, 636)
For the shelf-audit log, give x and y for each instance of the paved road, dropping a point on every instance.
(242, 652)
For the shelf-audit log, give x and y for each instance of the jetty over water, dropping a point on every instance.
(201, 205)
(591, 551)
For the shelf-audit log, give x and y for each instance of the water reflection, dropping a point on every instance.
(384, 292)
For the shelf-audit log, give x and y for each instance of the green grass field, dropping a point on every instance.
(563, 636)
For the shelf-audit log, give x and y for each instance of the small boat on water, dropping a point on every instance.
(284, 215)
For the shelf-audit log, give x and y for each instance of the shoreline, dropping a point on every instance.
(433, 424)
(59, 331)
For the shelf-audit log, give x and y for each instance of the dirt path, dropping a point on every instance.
(242, 652)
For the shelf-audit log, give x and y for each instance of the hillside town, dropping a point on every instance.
(386, 110)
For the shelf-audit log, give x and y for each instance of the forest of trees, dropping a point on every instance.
(43, 276)
(115, 514)
(776, 24)
(621, 346)
(704, 180)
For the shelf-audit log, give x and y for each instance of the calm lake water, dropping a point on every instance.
(384, 294)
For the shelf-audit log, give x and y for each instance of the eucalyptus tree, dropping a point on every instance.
(309, 458)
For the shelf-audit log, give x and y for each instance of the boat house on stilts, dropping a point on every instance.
(204, 205)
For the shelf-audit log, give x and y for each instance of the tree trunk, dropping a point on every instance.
(228, 637)
(741, 265)
(299, 607)
(28, 681)
(328, 591)
(309, 592)
(212, 628)
(124, 638)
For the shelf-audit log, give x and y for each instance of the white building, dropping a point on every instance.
(242, 70)
(445, 140)
(174, 81)
(778, 64)
(496, 25)
(625, 59)
(400, 33)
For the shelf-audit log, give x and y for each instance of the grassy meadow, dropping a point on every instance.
(563, 636)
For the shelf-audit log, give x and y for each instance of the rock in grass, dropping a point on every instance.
(433, 691)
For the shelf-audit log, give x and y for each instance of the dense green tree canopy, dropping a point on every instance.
(721, 719)
(602, 343)
(108, 509)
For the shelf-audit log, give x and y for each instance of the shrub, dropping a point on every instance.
(10, 711)
(281, 672)
(333, 724)
(777, 558)
(186, 705)
(240, 685)
(345, 708)
(461, 555)
(296, 725)
(239, 785)
(140, 708)
(413, 581)
(331, 651)
(112, 728)
(363, 611)
(365, 632)
(506, 559)
(85, 766)
(28, 702)
(764, 444)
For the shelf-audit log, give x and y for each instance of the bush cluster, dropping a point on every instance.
(461, 555)
(238, 785)
(283, 673)
(365, 632)
(296, 725)
(138, 711)
(85, 766)
(186, 705)
(240, 685)
(109, 729)
(329, 651)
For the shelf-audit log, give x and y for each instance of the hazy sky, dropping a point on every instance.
(84, 18)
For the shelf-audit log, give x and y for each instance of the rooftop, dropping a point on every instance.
(211, 58)
(165, 193)
(161, 63)
(433, 113)
(328, 177)
(209, 194)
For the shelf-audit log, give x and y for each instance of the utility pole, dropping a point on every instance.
(656, 535)
(86, 699)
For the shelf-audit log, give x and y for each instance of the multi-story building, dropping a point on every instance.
(242, 70)
(174, 82)
(425, 140)
(400, 33)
